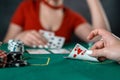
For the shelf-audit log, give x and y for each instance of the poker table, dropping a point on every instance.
(56, 67)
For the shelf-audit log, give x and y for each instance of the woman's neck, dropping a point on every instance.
(46, 9)
(51, 19)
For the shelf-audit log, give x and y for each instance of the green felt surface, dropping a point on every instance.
(60, 68)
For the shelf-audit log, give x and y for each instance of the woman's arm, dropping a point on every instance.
(29, 37)
(13, 31)
(99, 19)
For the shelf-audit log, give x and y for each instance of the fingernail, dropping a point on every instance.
(40, 46)
(34, 46)
(89, 52)
(46, 46)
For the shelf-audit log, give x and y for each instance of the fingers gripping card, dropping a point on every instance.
(80, 52)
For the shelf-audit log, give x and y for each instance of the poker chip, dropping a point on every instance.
(17, 63)
(15, 59)
(12, 56)
(3, 58)
(15, 46)
(15, 56)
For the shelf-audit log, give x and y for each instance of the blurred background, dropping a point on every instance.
(111, 7)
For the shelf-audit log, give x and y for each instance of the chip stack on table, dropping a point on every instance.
(15, 60)
(14, 57)
(3, 59)
(15, 46)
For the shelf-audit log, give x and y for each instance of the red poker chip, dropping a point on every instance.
(3, 58)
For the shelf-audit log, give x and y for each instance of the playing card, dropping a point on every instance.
(47, 34)
(60, 51)
(53, 41)
(56, 42)
(37, 51)
(80, 52)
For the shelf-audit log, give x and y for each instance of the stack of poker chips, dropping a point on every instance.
(14, 57)
(3, 59)
(15, 46)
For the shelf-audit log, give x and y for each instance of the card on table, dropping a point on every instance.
(59, 51)
(80, 52)
(37, 51)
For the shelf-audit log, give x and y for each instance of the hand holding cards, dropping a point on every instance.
(53, 41)
(80, 52)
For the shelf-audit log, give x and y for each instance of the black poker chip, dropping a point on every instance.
(13, 56)
(17, 63)
(14, 59)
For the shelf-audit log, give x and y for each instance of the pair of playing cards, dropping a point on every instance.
(37, 51)
(53, 41)
(43, 51)
(59, 51)
(80, 52)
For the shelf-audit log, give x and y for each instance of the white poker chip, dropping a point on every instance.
(15, 46)
(17, 64)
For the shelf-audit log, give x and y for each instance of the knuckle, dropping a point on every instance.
(33, 31)
(28, 34)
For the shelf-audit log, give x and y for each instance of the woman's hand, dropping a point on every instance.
(108, 46)
(31, 38)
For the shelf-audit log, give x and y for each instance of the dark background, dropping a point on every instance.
(7, 8)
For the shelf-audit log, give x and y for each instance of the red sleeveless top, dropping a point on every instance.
(27, 16)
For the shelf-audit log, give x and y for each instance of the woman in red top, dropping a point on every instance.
(52, 15)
